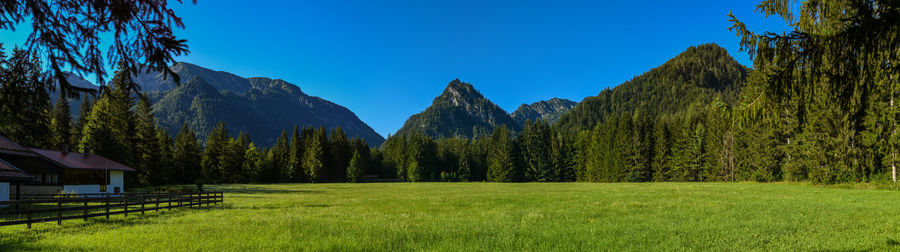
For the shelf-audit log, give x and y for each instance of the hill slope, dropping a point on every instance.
(696, 75)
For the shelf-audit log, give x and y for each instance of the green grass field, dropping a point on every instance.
(485, 216)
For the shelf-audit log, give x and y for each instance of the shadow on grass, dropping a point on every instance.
(263, 190)
(28, 239)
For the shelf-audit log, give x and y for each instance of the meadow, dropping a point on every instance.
(492, 216)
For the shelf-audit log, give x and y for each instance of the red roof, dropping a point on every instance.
(75, 160)
(9, 172)
(11, 147)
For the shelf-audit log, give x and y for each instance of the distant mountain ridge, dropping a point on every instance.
(549, 110)
(221, 80)
(260, 106)
(464, 112)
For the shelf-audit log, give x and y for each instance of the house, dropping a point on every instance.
(10, 175)
(62, 171)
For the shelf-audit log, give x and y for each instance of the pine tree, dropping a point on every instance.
(280, 157)
(233, 160)
(146, 147)
(254, 161)
(165, 173)
(187, 157)
(314, 159)
(24, 102)
(359, 145)
(582, 155)
(394, 157)
(78, 126)
(421, 158)
(61, 125)
(563, 157)
(216, 148)
(293, 172)
(109, 129)
(662, 144)
(501, 166)
(356, 168)
(339, 153)
(535, 139)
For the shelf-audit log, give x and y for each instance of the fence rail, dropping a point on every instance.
(60, 207)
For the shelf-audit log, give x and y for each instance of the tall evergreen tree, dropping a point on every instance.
(254, 161)
(339, 153)
(165, 173)
(24, 102)
(78, 126)
(61, 125)
(216, 148)
(188, 155)
(233, 160)
(280, 158)
(535, 139)
(356, 168)
(293, 172)
(109, 129)
(501, 166)
(146, 144)
(315, 158)
(836, 57)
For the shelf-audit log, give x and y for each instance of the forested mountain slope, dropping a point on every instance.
(459, 111)
(259, 106)
(695, 76)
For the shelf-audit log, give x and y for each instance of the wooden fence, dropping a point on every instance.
(58, 207)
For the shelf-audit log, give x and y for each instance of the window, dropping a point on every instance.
(84, 177)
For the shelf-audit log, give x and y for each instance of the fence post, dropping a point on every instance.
(28, 214)
(59, 210)
(85, 209)
(191, 200)
(156, 198)
(107, 206)
(125, 200)
(142, 197)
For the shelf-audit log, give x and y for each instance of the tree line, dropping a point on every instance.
(118, 123)
(817, 106)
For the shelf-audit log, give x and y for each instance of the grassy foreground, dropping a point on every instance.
(485, 216)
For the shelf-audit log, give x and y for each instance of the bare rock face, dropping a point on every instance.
(549, 110)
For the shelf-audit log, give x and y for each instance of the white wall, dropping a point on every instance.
(116, 179)
(81, 188)
(4, 192)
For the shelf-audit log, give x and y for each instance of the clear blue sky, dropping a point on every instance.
(386, 60)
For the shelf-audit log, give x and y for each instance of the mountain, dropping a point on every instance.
(549, 110)
(156, 82)
(74, 103)
(262, 107)
(459, 111)
(697, 75)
